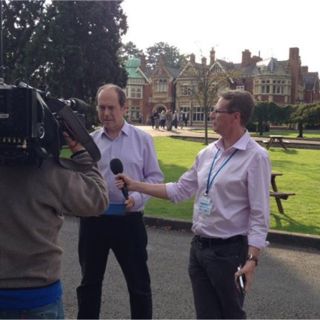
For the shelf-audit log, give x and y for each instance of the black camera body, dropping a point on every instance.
(31, 125)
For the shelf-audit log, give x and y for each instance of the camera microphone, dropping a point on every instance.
(117, 167)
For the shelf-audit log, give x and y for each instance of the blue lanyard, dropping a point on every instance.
(209, 183)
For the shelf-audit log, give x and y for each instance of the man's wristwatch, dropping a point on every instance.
(251, 257)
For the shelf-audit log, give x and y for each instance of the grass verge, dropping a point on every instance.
(301, 175)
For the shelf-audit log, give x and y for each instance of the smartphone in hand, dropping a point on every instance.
(241, 282)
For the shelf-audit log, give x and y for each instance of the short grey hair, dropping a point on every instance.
(120, 92)
(240, 101)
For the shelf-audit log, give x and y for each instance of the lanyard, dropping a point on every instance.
(209, 183)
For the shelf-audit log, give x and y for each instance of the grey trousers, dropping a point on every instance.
(212, 265)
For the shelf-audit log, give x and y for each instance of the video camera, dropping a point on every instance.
(32, 123)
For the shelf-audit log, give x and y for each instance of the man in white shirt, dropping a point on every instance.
(230, 181)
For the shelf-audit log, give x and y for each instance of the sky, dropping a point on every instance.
(265, 27)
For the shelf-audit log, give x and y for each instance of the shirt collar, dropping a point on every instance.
(241, 144)
(124, 130)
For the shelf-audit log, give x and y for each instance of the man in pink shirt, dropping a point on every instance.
(230, 181)
(121, 229)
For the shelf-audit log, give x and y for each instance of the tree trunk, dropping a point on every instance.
(260, 128)
(205, 126)
(300, 128)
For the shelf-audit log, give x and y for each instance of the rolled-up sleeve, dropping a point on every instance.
(258, 192)
(185, 187)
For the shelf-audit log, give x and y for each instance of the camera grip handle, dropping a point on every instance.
(79, 132)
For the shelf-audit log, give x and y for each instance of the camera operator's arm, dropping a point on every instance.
(85, 192)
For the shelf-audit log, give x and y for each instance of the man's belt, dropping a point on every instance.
(208, 242)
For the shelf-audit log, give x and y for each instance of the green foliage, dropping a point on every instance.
(171, 55)
(268, 112)
(20, 24)
(128, 50)
(305, 114)
(301, 175)
(71, 47)
(82, 43)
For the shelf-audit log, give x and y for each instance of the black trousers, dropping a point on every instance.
(212, 265)
(126, 236)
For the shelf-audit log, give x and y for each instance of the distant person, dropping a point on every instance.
(175, 120)
(156, 119)
(169, 120)
(230, 181)
(152, 121)
(185, 118)
(34, 201)
(121, 229)
(163, 119)
(181, 119)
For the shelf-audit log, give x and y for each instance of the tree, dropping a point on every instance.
(80, 42)
(266, 112)
(129, 49)
(208, 81)
(263, 115)
(171, 55)
(20, 20)
(305, 114)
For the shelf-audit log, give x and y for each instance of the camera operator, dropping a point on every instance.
(33, 203)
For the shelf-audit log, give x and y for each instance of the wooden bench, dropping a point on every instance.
(273, 139)
(281, 196)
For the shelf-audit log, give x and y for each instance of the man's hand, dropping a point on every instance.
(248, 271)
(249, 268)
(129, 203)
(73, 145)
(122, 180)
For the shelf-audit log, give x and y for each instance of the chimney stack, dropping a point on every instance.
(143, 62)
(204, 61)
(212, 56)
(246, 58)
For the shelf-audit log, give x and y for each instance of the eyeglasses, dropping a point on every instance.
(221, 111)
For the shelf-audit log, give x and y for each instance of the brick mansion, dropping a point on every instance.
(270, 80)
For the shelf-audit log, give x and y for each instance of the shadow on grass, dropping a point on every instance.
(288, 151)
(284, 222)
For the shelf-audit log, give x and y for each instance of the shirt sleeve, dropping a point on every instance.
(258, 192)
(84, 191)
(186, 186)
(151, 172)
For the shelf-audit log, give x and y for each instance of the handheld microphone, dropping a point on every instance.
(117, 167)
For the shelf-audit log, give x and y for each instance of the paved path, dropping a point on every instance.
(287, 283)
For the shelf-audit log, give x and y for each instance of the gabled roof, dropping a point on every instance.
(133, 69)
(174, 71)
(310, 80)
(272, 66)
(187, 66)
(162, 70)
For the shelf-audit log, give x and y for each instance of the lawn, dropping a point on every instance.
(301, 175)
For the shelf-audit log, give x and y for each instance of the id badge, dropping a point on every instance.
(204, 205)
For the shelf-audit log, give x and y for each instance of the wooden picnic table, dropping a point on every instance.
(278, 195)
(275, 138)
